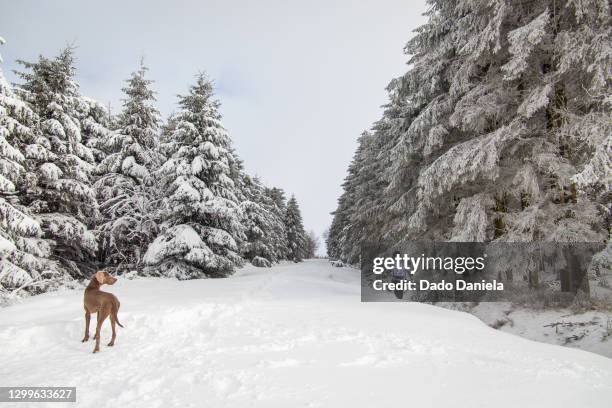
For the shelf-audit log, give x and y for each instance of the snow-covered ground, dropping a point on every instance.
(295, 335)
(590, 330)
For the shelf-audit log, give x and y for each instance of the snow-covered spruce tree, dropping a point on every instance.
(24, 262)
(165, 145)
(125, 186)
(201, 229)
(358, 217)
(264, 227)
(58, 189)
(278, 206)
(96, 127)
(510, 122)
(277, 195)
(498, 130)
(296, 237)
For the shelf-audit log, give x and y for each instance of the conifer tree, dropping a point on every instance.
(96, 125)
(125, 185)
(278, 206)
(296, 237)
(59, 190)
(24, 262)
(353, 223)
(277, 195)
(201, 229)
(264, 227)
(508, 117)
(499, 130)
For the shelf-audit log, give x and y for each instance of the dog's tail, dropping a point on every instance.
(115, 311)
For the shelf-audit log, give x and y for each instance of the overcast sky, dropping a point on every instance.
(298, 81)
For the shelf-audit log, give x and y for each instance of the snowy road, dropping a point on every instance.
(290, 336)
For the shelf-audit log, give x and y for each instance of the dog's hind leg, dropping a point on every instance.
(97, 318)
(87, 320)
(112, 320)
(102, 315)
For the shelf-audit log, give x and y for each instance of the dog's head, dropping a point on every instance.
(104, 278)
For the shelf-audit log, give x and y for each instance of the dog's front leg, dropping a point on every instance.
(87, 320)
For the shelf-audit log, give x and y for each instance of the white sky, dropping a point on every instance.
(298, 80)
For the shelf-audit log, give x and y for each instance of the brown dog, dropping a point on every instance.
(103, 303)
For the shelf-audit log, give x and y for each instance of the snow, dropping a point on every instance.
(185, 190)
(54, 127)
(471, 219)
(6, 246)
(12, 275)
(590, 330)
(14, 220)
(180, 239)
(599, 168)
(130, 167)
(219, 237)
(5, 184)
(198, 164)
(40, 153)
(537, 99)
(260, 262)
(294, 335)
(210, 149)
(7, 151)
(474, 160)
(50, 172)
(70, 229)
(523, 42)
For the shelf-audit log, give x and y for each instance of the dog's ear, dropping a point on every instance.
(100, 277)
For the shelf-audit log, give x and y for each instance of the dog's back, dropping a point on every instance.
(96, 299)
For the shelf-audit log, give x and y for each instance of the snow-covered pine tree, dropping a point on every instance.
(125, 187)
(278, 202)
(96, 127)
(165, 146)
(296, 237)
(336, 240)
(501, 128)
(264, 227)
(24, 262)
(59, 190)
(200, 211)
(358, 217)
(277, 195)
(510, 122)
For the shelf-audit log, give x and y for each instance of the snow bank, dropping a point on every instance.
(294, 335)
(591, 330)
